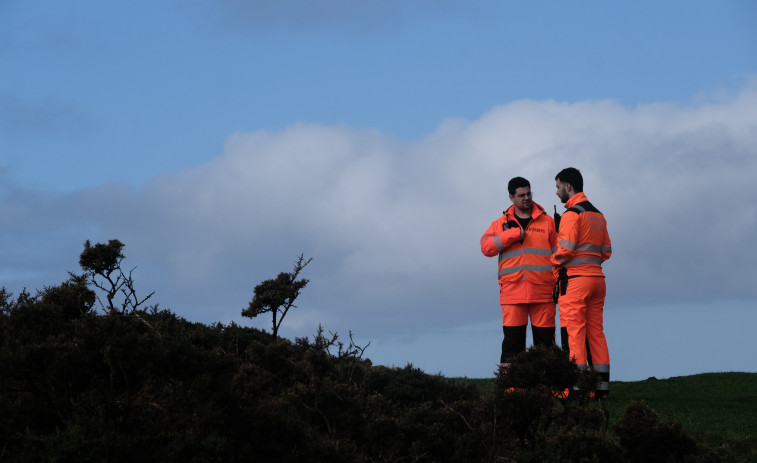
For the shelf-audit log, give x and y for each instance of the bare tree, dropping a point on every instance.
(102, 264)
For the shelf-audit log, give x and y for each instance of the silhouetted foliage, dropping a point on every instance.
(72, 298)
(102, 266)
(646, 438)
(80, 386)
(278, 296)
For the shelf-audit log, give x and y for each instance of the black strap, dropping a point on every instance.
(584, 206)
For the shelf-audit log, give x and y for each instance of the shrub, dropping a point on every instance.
(136, 385)
(646, 438)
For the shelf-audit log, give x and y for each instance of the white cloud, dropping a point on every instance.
(394, 227)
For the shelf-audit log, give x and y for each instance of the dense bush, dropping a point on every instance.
(151, 386)
(646, 438)
(146, 385)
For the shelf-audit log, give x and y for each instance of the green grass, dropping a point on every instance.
(718, 408)
(720, 404)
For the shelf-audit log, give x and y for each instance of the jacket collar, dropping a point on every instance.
(577, 198)
(536, 211)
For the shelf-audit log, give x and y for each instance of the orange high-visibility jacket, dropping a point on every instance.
(525, 269)
(583, 242)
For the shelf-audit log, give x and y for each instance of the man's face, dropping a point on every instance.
(562, 191)
(522, 198)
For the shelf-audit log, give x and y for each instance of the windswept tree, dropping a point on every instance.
(277, 296)
(102, 266)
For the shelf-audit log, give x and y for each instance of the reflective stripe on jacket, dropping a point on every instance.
(583, 242)
(525, 269)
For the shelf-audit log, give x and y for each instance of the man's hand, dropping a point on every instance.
(514, 224)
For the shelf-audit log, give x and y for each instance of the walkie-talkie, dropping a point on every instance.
(557, 220)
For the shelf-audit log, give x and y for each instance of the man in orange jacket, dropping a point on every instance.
(524, 238)
(583, 244)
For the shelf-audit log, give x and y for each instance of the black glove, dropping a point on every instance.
(561, 285)
(556, 292)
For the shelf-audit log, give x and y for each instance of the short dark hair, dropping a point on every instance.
(573, 176)
(515, 183)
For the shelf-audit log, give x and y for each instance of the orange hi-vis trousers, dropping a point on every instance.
(515, 321)
(541, 313)
(581, 312)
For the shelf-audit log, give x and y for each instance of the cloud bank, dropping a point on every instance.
(394, 226)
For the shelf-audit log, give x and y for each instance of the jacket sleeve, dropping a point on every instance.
(606, 246)
(495, 240)
(568, 234)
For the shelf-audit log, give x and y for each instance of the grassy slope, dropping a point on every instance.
(718, 404)
(721, 408)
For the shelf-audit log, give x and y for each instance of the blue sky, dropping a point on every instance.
(221, 139)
